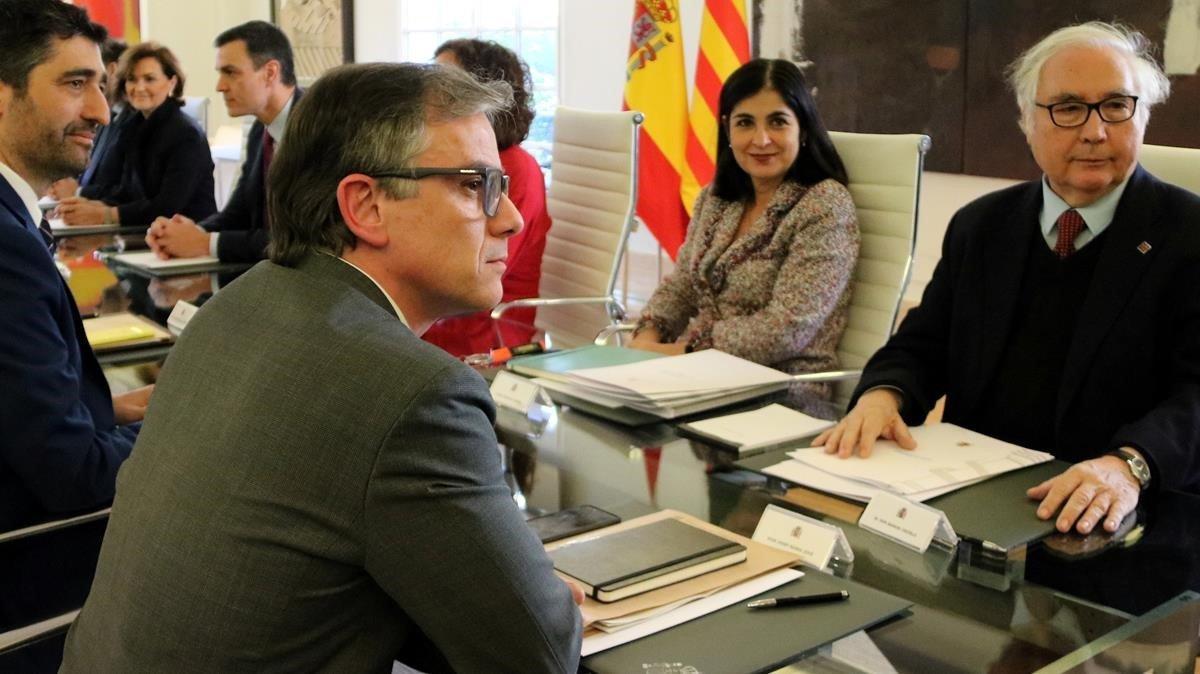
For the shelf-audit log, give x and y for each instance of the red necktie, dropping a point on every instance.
(1070, 224)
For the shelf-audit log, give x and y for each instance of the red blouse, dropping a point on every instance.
(475, 333)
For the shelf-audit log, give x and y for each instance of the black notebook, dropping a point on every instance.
(622, 564)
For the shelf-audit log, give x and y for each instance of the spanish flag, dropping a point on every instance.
(120, 17)
(655, 86)
(724, 46)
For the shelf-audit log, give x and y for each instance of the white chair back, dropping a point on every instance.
(591, 201)
(885, 183)
(1176, 165)
(196, 107)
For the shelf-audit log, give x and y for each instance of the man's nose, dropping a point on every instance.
(96, 106)
(1094, 128)
(507, 221)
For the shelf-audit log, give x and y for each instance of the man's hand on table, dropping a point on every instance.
(875, 415)
(177, 236)
(1088, 492)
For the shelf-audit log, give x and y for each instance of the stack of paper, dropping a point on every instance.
(770, 426)
(673, 386)
(947, 458)
(610, 624)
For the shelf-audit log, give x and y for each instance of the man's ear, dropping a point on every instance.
(273, 71)
(359, 198)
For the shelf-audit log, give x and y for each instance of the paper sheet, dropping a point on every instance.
(148, 260)
(770, 425)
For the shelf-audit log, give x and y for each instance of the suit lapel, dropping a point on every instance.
(1118, 272)
(12, 202)
(1003, 257)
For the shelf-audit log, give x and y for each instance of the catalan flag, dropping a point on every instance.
(120, 17)
(655, 85)
(724, 46)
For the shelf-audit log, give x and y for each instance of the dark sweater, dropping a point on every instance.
(1031, 367)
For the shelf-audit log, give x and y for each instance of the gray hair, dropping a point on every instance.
(360, 118)
(1024, 72)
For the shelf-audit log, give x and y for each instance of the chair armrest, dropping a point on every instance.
(54, 525)
(833, 375)
(607, 332)
(615, 310)
(23, 636)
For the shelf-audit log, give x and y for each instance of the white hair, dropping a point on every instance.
(1153, 87)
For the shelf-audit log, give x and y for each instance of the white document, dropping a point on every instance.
(813, 478)
(946, 455)
(765, 427)
(60, 228)
(148, 260)
(700, 372)
(690, 611)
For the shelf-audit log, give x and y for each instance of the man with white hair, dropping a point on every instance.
(1064, 313)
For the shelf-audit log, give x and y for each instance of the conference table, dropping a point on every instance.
(1065, 603)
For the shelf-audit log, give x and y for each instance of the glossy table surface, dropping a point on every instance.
(1068, 603)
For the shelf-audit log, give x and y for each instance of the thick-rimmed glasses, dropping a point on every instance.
(495, 182)
(1070, 114)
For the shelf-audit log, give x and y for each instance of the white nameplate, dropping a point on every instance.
(180, 315)
(815, 541)
(912, 524)
(515, 392)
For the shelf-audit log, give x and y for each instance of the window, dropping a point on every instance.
(528, 27)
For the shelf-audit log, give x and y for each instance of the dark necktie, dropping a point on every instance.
(1070, 224)
(268, 155)
(47, 235)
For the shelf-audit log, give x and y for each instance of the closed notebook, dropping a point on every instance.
(622, 564)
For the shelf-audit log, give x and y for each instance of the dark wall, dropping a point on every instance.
(937, 67)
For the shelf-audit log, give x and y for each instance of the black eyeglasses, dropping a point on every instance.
(1070, 114)
(495, 182)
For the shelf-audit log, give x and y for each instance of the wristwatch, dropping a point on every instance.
(1137, 466)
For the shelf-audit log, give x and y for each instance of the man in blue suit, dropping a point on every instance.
(256, 76)
(62, 434)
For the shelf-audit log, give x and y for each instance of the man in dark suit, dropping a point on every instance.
(316, 487)
(1063, 314)
(62, 435)
(256, 75)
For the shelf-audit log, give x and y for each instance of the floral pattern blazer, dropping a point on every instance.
(778, 295)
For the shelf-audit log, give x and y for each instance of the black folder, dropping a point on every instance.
(740, 639)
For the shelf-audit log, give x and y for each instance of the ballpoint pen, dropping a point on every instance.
(824, 598)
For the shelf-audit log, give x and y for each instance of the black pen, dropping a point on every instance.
(801, 601)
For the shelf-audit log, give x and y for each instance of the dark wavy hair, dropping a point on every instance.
(488, 61)
(151, 50)
(28, 29)
(817, 159)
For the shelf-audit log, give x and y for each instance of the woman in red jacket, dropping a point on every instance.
(477, 333)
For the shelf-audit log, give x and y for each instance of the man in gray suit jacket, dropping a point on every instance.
(315, 488)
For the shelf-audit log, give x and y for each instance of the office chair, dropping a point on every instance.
(35, 644)
(591, 200)
(1176, 165)
(196, 107)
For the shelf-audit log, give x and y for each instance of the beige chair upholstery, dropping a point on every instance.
(196, 107)
(591, 200)
(1176, 165)
(885, 183)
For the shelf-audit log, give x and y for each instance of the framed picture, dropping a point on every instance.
(321, 32)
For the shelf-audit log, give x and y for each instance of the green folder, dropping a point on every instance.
(740, 639)
(555, 364)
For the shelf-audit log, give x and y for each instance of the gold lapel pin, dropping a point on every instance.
(1144, 247)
